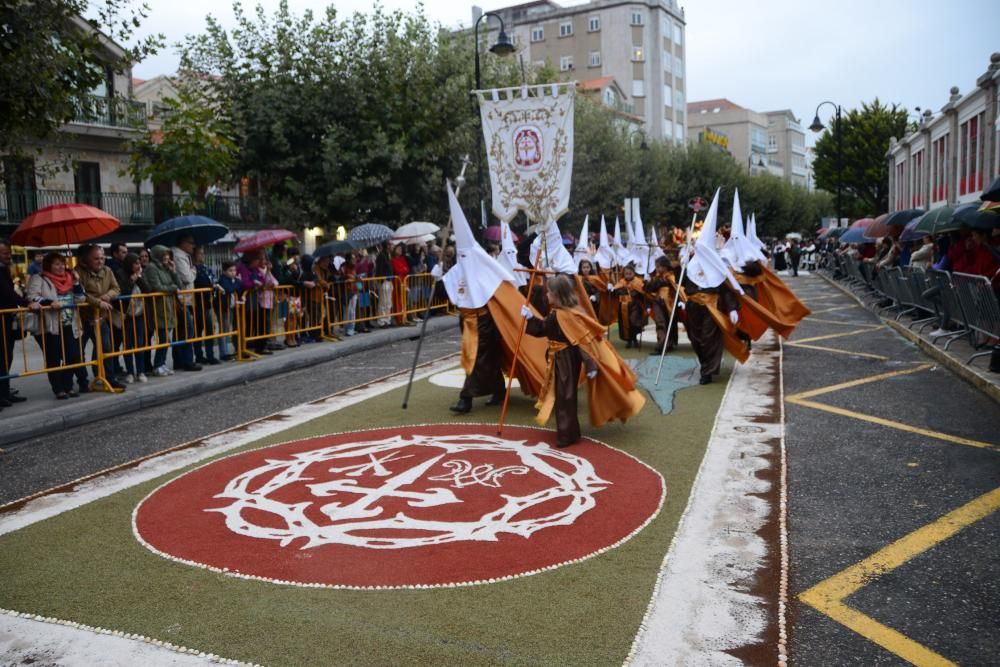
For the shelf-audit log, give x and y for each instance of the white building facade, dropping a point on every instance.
(952, 156)
(640, 44)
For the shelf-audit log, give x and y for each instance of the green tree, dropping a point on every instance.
(52, 58)
(863, 172)
(195, 147)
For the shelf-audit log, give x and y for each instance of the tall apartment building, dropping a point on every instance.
(639, 43)
(786, 146)
(769, 141)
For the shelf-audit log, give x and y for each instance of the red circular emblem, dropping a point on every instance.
(427, 505)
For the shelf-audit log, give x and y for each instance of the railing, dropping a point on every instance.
(110, 112)
(130, 207)
(240, 325)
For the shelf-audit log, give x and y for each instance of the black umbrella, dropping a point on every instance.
(992, 192)
(982, 219)
(965, 213)
(901, 218)
(336, 248)
(203, 230)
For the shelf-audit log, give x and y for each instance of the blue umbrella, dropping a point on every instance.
(911, 233)
(855, 235)
(204, 230)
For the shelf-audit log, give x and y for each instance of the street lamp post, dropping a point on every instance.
(503, 47)
(817, 126)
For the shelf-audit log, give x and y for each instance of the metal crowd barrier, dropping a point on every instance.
(23, 324)
(981, 311)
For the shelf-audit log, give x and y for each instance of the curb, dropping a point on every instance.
(967, 373)
(23, 427)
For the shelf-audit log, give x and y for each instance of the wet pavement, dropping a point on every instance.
(893, 520)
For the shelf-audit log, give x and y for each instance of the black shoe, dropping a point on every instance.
(464, 405)
(13, 398)
(84, 388)
(4, 403)
(497, 399)
(264, 351)
(200, 360)
(115, 384)
(212, 361)
(191, 367)
(705, 379)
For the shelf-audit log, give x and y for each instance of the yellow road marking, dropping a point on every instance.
(828, 595)
(937, 435)
(830, 310)
(859, 381)
(869, 327)
(835, 350)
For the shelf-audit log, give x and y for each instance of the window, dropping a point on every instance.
(668, 62)
(666, 28)
(678, 66)
(637, 17)
(595, 58)
(638, 88)
(668, 95)
(917, 180)
(566, 29)
(668, 128)
(679, 99)
(538, 34)
(678, 34)
(939, 169)
(758, 140)
(638, 55)
(772, 143)
(565, 63)
(594, 24)
(970, 150)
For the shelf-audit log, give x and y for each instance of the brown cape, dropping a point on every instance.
(730, 340)
(612, 394)
(774, 295)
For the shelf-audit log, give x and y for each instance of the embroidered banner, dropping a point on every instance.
(529, 148)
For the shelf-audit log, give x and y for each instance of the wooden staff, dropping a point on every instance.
(430, 299)
(520, 336)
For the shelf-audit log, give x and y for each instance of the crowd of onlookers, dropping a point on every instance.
(67, 303)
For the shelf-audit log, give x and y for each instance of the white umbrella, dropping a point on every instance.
(413, 231)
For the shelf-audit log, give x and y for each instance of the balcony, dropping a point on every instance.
(798, 149)
(130, 208)
(111, 112)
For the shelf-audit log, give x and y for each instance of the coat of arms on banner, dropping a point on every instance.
(529, 140)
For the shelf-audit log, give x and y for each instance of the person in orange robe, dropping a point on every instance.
(660, 291)
(579, 352)
(631, 306)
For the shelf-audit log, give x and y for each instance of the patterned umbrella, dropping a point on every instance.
(204, 230)
(264, 238)
(369, 235)
(62, 224)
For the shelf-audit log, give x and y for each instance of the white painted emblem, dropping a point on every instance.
(528, 147)
(345, 503)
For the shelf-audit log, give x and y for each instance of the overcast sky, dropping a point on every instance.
(765, 55)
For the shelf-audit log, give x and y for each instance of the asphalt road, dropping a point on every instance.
(856, 487)
(34, 465)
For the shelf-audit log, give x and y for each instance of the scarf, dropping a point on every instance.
(63, 283)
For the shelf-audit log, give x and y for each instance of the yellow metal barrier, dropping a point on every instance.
(142, 323)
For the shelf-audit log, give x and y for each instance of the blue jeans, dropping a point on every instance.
(183, 353)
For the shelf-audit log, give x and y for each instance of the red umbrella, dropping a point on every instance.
(879, 229)
(62, 224)
(264, 238)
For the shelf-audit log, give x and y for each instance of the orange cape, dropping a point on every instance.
(612, 394)
(730, 340)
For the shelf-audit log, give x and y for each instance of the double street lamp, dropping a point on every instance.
(817, 126)
(502, 47)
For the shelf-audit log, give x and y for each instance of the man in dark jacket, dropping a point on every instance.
(9, 298)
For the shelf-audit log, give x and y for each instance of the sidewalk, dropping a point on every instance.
(42, 413)
(954, 358)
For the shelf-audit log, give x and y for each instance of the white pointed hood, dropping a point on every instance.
(476, 275)
(657, 251)
(508, 255)
(622, 256)
(554, 257)
(752, 232)
(640, 249)
(738, 250)
(605, 256)
(583, 245)
(706, 269)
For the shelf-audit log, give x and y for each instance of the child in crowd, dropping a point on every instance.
(228, 289)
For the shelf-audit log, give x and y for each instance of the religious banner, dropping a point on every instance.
(529, 147)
